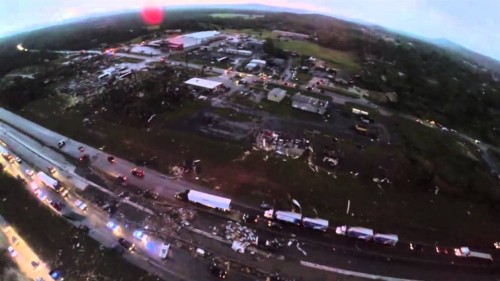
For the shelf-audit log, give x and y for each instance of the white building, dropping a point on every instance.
(255, 63)
(196, 39)
(276, 95)
(203, 83)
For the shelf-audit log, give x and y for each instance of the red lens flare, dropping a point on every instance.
(152, 15)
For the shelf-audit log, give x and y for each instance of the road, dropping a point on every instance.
(164, 185)
(147, 250)
(26, 259)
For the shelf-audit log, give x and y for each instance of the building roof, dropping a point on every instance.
(203, 83)
(276, 95)
(191, 39)
(309, 100)
(202, 34)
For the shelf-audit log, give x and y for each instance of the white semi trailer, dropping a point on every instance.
(205, 199)
(466, 252)
(52, 183)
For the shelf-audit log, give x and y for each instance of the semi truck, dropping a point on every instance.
(356, 232)
(315, 223)
(52, 183)
(297, 219)
(466, 252)
(205, 199)
(386, 239)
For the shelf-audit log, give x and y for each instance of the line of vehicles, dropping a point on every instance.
(273, 216)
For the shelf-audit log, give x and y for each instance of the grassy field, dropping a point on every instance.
(128, 60)
(55, 244)
(230, 15)
(338, 58)
(257, 33)
(233, 115)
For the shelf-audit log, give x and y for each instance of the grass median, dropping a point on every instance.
(58, 243)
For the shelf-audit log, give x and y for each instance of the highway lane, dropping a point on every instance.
(147, 249)
(152, 179)
(28, 262)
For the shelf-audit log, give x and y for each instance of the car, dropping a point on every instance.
(416, 247)
(81, 148)
(56, 275)
(61, 144)
(309, 88)
(57, 205)
(29, 172)
(35, 264)
(111, 159)
(121, 178)
(51, 170)
(496, 245)
(165, 247)
(250, 218)
(442, 250)
(41, 195)
(139, 235)
(149, 194)
(138, 173)
(12, 252)
(275, 225)
(80, 205)
(40, 279)
(18, 160)
(126, 244)
(218, 271)
(15, 241)
(113, 226)
(84, 158)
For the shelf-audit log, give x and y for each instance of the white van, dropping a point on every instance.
(164, 250)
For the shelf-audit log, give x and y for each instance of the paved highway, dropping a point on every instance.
(163, 184)
(147, 250)
(26, 259)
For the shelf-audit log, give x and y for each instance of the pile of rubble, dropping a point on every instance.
(234, 231)
(182, 216)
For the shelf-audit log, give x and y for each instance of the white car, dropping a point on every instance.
(164, 250)
(12, 252)
(138, 234)
(29, 172)
(80, 204)
(113, 226)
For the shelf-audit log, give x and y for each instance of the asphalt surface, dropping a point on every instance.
(26, 259)
(146, 253)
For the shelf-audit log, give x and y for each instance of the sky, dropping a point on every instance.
(474, 24)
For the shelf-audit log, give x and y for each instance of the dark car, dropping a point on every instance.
(443, 250)
(416, 247)
(60, 144)
(218, 271)
(149, 194)
(275, 225)
(121, 178)
(111, 159)
(138, 173)
(126, 244)
(84, 158)
(58, 206)
(81, 148)
(250, 218)
(55, 275)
